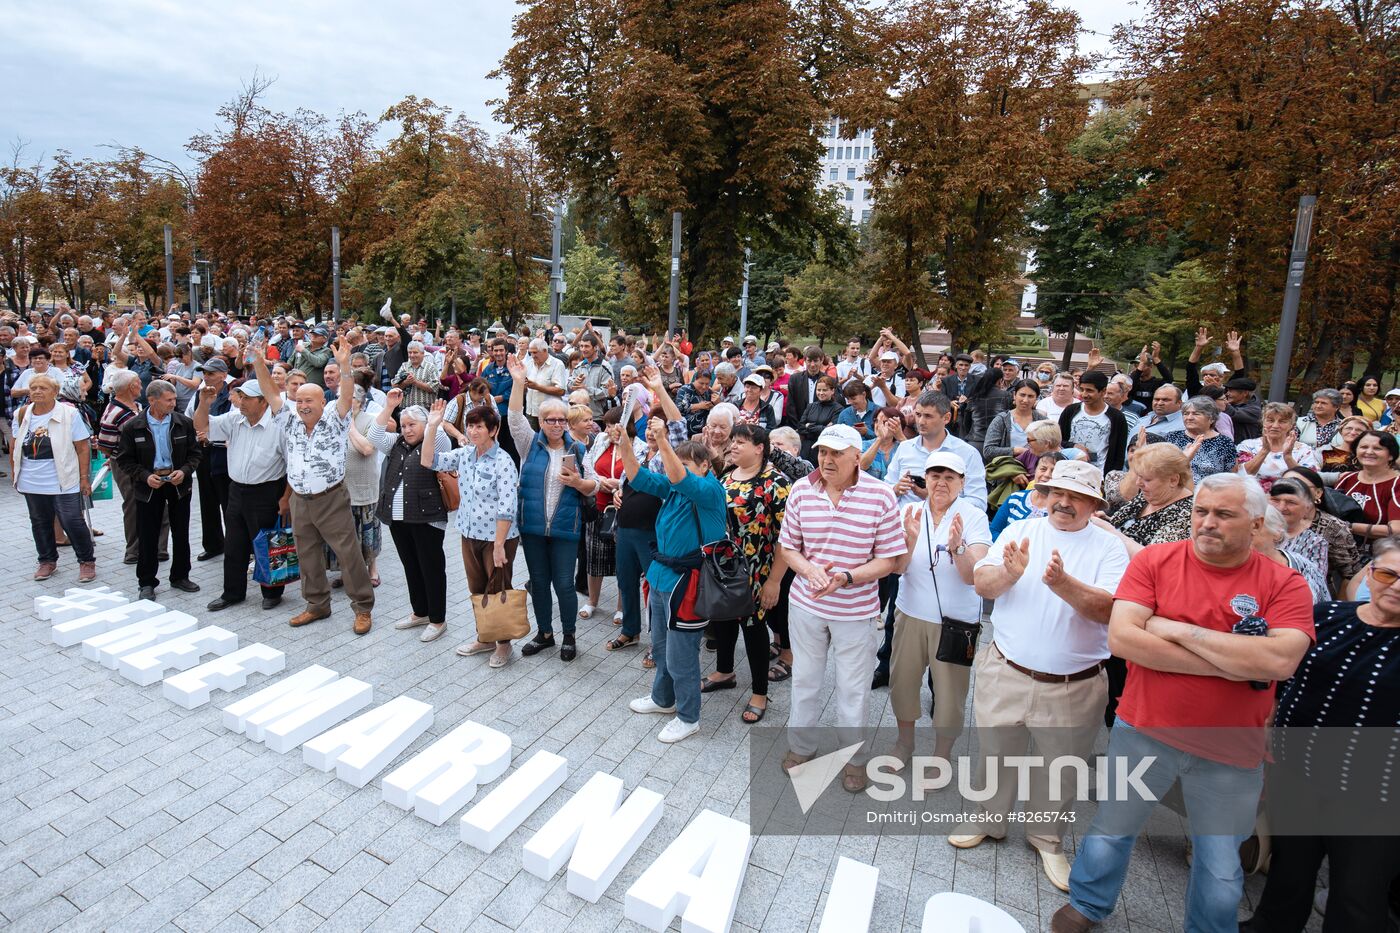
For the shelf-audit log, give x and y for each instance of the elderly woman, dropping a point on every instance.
(1339, 454)
(1317, 427)
(1031, 501)
(1329, 700)
(489, 484)
(786, 440)
(672, 373)
(756, 493)
(752, 408)
(1006, 435)
(418, 377)
(1156, 492)
(411, 504)
(604, 464)
(1042, 438)
(1344, 559)
(1208, 450)
(718, 427)
(550, 513)
(1268, 540)
(1306, 548)
(1376, 486)
(944, 539)
(1278, 450)
(50, 464)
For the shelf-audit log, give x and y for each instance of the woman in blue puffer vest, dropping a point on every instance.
(551, 512)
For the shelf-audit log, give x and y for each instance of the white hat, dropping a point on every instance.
(839, 437)
(1220, 368)
(1393, 392)
(1076, 476)
(727, 340)
(889, 355)
(947, 460)
(251, 389)
(754, 379)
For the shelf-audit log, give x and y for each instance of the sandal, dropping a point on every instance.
(647, 661)
(853, 779)
(775, 651)
(710, 686)
(779, 671)
(793, 759)
(753, 711)
(622, 641)
(586, 612)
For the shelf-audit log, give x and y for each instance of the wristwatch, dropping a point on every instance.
(959, 551)
(850, 580)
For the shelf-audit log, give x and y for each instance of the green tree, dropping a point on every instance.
(594, 282)
(825, 301)
(1168, 308)
(1089, 250)
(643, 107)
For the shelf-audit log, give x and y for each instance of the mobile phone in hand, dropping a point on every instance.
(571, 462)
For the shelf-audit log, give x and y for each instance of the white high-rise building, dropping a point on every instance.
(843, 168)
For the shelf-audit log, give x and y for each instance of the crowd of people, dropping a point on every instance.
(1133, 533)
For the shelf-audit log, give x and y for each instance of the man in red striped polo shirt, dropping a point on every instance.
(841, 534)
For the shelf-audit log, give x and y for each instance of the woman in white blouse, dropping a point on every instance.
(945, 538)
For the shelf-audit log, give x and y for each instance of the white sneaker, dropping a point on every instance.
(411, 622)
(501, 660)
(433, 631)
(676, 730)
(647, 705)
(1056, 868)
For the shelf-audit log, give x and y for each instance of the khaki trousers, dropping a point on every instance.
(127, 490)
(915, 651)
(323, 520)
(1010, 710)
(479, 563)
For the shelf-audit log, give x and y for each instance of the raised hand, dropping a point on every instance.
(913, 517)
(1202, 338)
(1054, 571)
(1232, 341)
(517, 369)
(955, 530)
(1016, 557)
(393, 398)
(651, 378)
(1095, 357)
(435, 414)
(1156, 351)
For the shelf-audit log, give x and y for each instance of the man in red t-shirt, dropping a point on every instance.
(1197, 700)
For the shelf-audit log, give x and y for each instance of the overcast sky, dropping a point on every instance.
(79, 74)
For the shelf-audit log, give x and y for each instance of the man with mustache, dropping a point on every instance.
(1043, 676)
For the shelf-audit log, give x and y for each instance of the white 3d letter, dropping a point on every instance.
(487, 824)
(191, 688)
(76, 602)
(108, 647)
(699, 874)
(294, 709)
(438, 781)
(600, 836)
(851, 899)
(951, 912)
(147, 665)
(359, 749)
(70, 633)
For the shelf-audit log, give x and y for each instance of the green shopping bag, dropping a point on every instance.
(101, 478)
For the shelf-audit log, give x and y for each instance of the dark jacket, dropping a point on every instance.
(136, 453)
(422, 497)
(1247, 418)
(801, 392)
(1116, 454)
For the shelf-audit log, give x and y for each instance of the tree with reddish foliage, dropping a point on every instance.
(973, 107)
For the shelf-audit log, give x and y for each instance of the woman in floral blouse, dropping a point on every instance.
(757, 494)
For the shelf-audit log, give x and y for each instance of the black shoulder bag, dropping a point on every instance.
(957, 640)
(725, 591)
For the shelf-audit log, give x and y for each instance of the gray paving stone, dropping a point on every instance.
(358, 913)
(293, 852)
(465, 904)
(231, 861)
(165, 906)
(343, 884)
(411, 909)
(221, 902)
(285, 894)
(49, 915)
(116, 874)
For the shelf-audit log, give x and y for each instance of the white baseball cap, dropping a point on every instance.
(889, 355)
(946, 460)
(839, 437)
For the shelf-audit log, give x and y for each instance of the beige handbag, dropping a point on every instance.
(500, 616)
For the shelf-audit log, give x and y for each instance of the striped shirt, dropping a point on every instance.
(865, 525)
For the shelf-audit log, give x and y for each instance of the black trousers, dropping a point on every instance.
(1360, 869)
(755, 649)
(213, 501)
(252, 507)
(166, 499)
(424, 568)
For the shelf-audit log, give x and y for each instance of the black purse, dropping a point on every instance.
(957, 640)
(606, 528)
(724, 591)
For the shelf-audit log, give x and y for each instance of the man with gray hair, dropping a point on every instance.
(418, 378)
(1206, 625)
(545, 378)
(160, 453)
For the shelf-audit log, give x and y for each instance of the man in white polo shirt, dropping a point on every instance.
(1042, 676)
(841, 533)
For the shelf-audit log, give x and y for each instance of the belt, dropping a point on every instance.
(327, 491)
(1045, 678)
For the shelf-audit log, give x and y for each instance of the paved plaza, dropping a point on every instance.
(121, 811)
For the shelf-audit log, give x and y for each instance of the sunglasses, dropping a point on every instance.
(1384, 577)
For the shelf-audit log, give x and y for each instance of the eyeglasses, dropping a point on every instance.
(554, 421)
(1384, 577)
(938, 553)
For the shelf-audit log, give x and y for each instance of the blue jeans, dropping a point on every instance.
(1220, 799)
(68, 509)
(677, 656)
(550, 562)
(633, 558)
